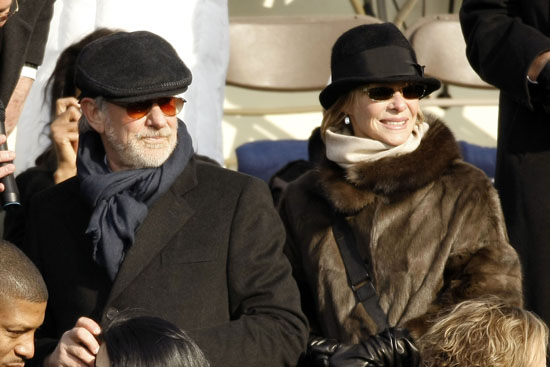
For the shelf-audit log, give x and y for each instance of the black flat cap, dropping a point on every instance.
(131, 67)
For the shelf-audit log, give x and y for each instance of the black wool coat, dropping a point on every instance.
(24, 38)
(503, 38)
(29, 183)
(428, 225)
(208, 257)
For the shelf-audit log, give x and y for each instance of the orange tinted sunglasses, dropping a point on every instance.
(170, 106)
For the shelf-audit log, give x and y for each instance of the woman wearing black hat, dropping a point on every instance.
(391, 226)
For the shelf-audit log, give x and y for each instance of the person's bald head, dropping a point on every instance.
(23, 297)
(19, 277)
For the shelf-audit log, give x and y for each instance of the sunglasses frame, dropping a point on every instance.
(367, 90)
(144, 111)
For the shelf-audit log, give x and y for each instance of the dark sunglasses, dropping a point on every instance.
(170, 106)
(383, 93)
(10, 13)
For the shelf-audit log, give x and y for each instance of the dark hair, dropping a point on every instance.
(19, 277)
(147, 341)
(61, 83)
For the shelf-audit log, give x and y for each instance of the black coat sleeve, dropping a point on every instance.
(40, 32)
(29, 183)
(502, 40)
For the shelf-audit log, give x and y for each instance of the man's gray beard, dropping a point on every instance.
(136, 154)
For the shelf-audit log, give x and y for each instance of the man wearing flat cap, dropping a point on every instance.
(148, 225)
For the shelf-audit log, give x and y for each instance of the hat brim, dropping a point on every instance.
(335, 90)
(138, 97)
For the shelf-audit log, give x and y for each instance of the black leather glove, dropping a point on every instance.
(390, 348)
(318, 352)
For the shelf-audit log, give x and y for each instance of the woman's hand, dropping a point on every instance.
(319, 351)
(390, 348)
(65, 137)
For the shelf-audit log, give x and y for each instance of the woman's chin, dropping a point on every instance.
(394, 139)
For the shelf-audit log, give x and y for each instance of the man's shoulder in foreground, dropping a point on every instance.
(215, 176)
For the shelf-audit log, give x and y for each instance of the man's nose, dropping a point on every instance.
(156, 117)
(25, 346)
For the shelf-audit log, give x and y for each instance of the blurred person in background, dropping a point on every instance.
(24, 27)
(508, 45)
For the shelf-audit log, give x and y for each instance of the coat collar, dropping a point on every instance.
(351, 189)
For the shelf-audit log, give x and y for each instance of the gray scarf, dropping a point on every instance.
(121, 200)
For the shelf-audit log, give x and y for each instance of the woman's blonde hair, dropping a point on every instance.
(334, 116)
(485, 333)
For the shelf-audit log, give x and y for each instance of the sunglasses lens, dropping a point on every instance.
(137, 110)
(414, 91)
(170, 106)
(380, 93)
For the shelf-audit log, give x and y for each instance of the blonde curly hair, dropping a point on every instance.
(485, 333)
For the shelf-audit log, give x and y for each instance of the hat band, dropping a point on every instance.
(377, 63)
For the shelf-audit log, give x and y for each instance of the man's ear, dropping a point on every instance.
(94, 115)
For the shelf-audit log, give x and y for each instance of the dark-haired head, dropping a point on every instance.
(146, 341)
(61, 82)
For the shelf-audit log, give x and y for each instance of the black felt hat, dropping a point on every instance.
(131, 67)
(372, 53)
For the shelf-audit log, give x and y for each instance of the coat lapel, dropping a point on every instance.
(164, 220)
(76, 212)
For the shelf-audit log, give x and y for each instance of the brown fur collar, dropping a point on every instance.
(349, 190)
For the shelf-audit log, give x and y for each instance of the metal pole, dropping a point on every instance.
(404, 13)
(358, 7)
(381, 10)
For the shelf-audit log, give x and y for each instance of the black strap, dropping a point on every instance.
(357, 271)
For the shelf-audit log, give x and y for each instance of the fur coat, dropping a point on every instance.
(429, 226)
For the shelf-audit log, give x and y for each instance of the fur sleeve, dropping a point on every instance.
(482, 261)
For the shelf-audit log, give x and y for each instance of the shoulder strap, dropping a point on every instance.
(357, 271)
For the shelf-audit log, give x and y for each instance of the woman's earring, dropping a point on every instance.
(347, 120)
